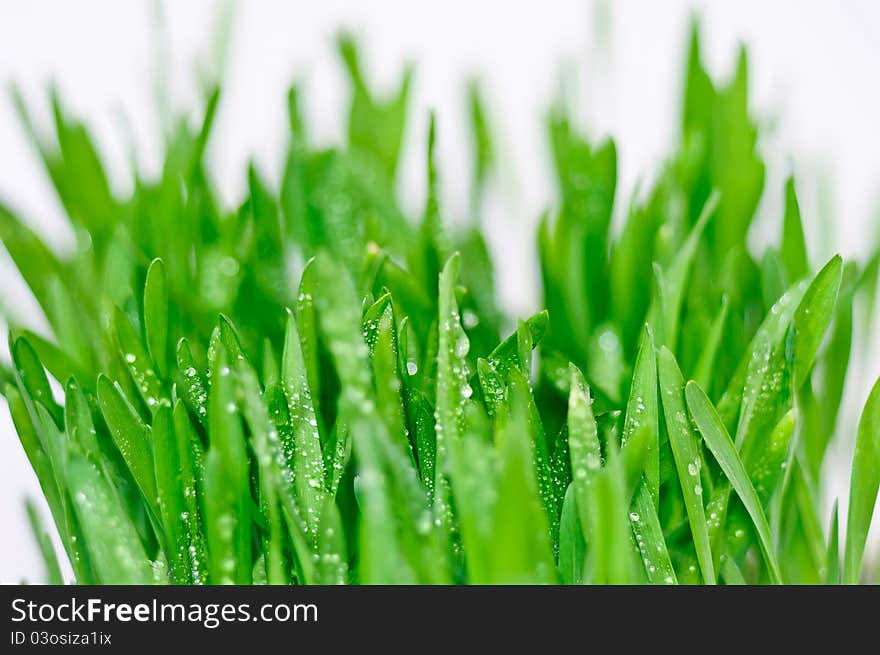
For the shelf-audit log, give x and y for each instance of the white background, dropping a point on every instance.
(814, 68)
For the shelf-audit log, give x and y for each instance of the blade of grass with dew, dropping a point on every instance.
(389, 384)
(264, 441)
(452, 386)
(131, 436)
(192, 384)
(138, 362)
(191, 458)
(521, 545)
(688, 459)
(308, 464)
(719, 442)
(332, 567)
(642, 416)
(583, 446)
(572, 547)
(227, 489)
(114, 547)
(170, 496)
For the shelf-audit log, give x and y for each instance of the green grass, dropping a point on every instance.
(230, 414)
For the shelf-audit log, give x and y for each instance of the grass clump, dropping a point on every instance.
(313, 387)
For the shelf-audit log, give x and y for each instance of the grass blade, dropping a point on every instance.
(864, 482)
(688, 459)
(719, 442)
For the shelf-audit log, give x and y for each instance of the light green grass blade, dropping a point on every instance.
(794, 247)
(864, 482)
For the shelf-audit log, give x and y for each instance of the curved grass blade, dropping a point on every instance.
(813, 316)
(31, 378)
(719, 442)
(131, 436)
